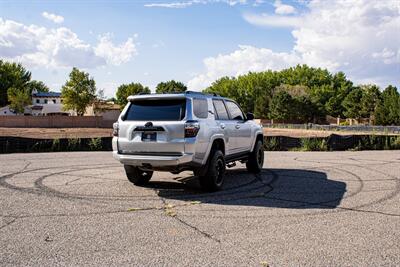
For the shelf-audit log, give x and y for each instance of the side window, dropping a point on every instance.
(220, 110)
(200, 108)
(234, 110)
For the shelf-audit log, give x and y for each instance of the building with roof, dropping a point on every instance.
(47, 104)
(108, 110)
(7, 111)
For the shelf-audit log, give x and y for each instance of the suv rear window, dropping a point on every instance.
(156, 110)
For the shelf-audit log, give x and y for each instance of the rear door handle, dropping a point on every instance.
(222, 126)
(237, 126)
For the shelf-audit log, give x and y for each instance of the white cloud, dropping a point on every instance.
(283, 9)
(53, 17)
(247, 58)
(58, 47)
(273, 21)
(158, 44)
(358, 37)
(184, 4)
(171, 5)
(115, 55)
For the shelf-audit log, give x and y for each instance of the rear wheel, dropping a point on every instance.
(256, 158)
(213, 179)
(137, 176)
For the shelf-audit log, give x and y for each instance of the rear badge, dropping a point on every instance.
(149, 136)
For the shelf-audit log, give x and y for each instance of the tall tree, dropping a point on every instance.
(352, 104)
(126, 90)
(369, 100)
(78, 92)
(12, 75)
(170, 87)
(19, 99)
(388, 108)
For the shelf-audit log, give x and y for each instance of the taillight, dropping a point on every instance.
(191, 128)
(115, 129)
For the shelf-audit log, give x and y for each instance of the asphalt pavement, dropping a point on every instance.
(303, 209)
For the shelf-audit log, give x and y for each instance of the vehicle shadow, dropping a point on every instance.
(280, 188)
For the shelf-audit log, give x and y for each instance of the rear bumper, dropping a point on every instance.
(154, 161)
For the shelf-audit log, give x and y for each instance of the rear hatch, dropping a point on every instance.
(153, 126)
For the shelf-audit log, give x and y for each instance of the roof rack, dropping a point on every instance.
(185, 92)
(194, 92)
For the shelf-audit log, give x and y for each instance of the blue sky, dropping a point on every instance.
(198, 41)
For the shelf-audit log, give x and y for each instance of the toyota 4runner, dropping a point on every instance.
(186, 131)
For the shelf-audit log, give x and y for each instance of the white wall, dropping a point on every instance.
(5, 111)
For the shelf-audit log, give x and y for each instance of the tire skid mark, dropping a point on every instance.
(254, 185)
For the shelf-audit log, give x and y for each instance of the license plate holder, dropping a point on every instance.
(149, 137)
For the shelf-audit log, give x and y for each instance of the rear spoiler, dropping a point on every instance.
(156, 97)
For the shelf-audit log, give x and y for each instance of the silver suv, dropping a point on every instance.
(186, 131)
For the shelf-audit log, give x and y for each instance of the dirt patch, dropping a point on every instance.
(50, 133)
(53, 133)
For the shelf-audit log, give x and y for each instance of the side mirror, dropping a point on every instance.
(250, 116)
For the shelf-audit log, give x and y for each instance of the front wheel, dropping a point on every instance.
(137, 176)
(256, 158)
(213, 179)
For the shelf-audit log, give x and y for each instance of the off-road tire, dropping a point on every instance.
(256, 158)
(213, 178)
(137, 176)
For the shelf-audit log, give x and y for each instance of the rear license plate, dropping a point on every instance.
(149, 136)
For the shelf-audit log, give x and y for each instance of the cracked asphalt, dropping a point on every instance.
(303, 209)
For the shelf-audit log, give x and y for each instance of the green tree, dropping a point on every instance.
(261, 106)
(38, 86)
(281, 106)
(78, 92)
(369, 100)
(388, 108)
(225, 86)
(303, 109)
(19, 99)
(305, 75)
(170, 87)
(314, 93)
(12, 75)
(352, 104)
(126, 90)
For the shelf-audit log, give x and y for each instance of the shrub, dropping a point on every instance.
(95, 144)
(74, 144)
(396, 143)
(272, 144)
(55, 146)
(313, 144)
